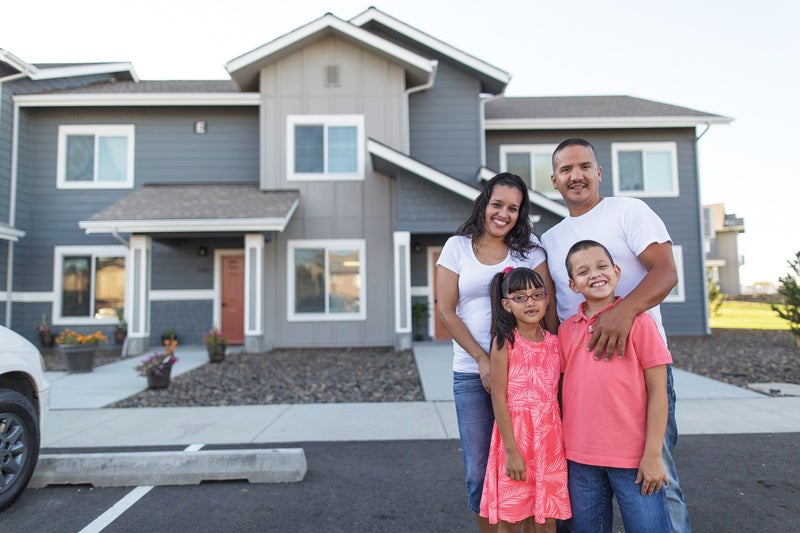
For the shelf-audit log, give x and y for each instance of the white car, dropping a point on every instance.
(24, 399)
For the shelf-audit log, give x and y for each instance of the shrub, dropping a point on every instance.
(790, 292)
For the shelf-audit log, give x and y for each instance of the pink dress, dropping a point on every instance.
(532, 397)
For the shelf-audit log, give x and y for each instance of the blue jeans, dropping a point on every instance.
(475, 423)
(678, 512)
(591, 489)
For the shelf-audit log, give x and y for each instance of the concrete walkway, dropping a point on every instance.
(79, 419)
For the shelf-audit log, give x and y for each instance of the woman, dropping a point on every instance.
(497, 234)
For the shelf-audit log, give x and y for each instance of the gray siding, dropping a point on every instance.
(681, 214)
(166, 150)
(445, 127)
(370, 86)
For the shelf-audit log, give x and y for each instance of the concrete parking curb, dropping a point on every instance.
(128, 469)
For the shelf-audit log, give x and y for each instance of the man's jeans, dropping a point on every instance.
(678, 513)
(475, 423)
(591, 489)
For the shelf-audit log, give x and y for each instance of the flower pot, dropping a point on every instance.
(47, 340)
(79, 357)
(119, 336)
(159, 380)
(216, 352)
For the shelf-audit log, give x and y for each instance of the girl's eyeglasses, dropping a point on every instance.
(522, 298)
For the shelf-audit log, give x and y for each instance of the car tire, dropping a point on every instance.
(19, 445)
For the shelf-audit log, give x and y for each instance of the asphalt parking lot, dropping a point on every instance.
(744, 482)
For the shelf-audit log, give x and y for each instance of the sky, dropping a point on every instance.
(739, 59)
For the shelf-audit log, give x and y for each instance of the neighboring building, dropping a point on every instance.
(720, 239)
(303, 202)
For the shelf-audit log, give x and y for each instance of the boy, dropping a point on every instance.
(615, 449)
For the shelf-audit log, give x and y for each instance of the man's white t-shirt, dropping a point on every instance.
(626, 226)
(474, 304)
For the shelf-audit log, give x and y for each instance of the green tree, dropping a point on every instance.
(715, 298)
(790, 292)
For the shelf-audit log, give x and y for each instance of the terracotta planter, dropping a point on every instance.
(79, 357)
(119, 336)
(159, 381)
(216, 352)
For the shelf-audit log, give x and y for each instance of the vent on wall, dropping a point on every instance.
(332, 76)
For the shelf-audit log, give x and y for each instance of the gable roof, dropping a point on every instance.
(592, 112)
(387, 160)
(196, 207)
(493, 80)
(45, 71)
(245, 68)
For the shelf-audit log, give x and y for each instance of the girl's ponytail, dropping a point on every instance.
(503, 322)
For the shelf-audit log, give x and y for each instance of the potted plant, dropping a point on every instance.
(46, 336)
(168, 335)
(216, 341)
(121, 329)
(157, 367)
(79, 348)
(419, 317)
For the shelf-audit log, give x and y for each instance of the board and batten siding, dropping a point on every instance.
(371, 86)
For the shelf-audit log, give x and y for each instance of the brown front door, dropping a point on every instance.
(232, 297)
(440, 332)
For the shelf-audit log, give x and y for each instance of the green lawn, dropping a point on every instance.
(747, 315)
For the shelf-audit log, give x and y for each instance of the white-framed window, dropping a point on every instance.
(677, 293)
(325, 147)
(89, 284)
(326, 280)
(95, 156)
(531, 162)
(645, 169)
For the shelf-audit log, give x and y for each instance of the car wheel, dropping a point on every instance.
(19, 445)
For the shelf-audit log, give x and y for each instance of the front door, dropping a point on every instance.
(232, 298)
(440, 332)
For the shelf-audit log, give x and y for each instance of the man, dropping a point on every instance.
(641, 246)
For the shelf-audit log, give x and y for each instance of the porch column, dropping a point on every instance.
(402, 290)
(137, 294)
(253, 291)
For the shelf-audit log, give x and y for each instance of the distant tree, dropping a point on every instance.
(715, 298)
(790, 293)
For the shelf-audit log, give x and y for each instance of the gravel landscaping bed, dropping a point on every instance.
(735, 356)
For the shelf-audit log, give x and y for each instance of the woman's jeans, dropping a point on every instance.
(475, 423)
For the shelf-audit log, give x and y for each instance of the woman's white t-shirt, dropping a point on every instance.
(474, 305)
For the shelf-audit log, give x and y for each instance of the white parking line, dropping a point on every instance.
(117, 509)
(100, 523)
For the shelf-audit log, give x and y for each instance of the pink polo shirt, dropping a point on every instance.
(605, 403)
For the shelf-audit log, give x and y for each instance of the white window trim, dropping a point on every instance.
(677, 254)
(670, 147)
(58, 261)
(127, 130)
(532, 149)
(325, 120)
(327, 245)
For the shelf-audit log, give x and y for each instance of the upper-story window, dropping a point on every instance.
(95, 156)
(325, 147)
(532, 163)
(645, 169)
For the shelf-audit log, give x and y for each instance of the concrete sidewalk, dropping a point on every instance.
(79, 419)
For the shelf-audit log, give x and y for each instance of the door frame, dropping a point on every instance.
(218, 255)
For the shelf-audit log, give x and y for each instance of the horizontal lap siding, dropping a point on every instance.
(681, 215)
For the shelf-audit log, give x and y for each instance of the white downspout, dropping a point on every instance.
(407, 102)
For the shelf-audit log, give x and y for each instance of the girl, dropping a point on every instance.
(526, 475)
